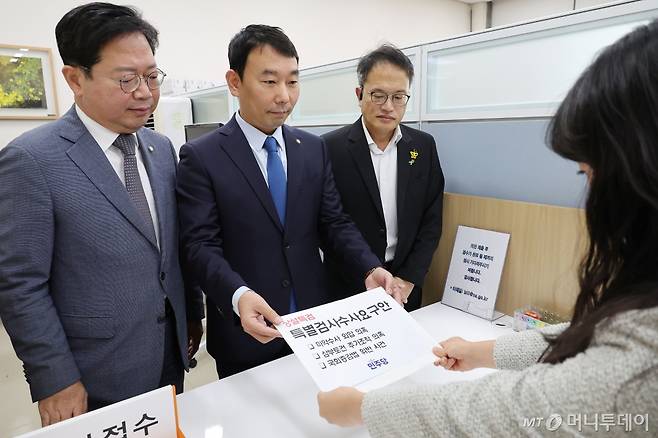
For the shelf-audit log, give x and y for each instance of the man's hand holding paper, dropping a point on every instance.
(254, 315)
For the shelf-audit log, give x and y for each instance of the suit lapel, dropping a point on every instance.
(404, 172)
(358, 147)
(152, 158)
(295, 174)
(239, 151)
(91, 160)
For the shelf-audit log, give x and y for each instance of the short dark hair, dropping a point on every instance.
(385, 53)
(84, 31)
(255, 36)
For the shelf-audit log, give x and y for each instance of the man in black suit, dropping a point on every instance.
(389, 178)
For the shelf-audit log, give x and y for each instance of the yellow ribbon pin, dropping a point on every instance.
(413, 154)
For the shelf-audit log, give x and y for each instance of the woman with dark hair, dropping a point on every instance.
(600, 372)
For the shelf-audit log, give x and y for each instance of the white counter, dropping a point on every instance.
(278, 399)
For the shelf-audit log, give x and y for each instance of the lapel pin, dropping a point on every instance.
(150, 148)
(299, 141)
(413, 155)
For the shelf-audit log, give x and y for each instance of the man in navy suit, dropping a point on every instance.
(257, 200)
(91, 291)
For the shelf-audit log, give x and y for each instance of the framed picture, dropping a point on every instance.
(27, 83)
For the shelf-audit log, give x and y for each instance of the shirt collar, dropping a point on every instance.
(103, 136)
(255, 137)
(397, 135)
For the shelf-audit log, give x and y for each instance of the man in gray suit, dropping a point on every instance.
(91, 291)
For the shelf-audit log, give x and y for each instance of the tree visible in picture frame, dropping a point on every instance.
(27, 83)
(22, 83)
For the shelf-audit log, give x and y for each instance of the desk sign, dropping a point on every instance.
(475, 269)
(367, 341)
(152, 414)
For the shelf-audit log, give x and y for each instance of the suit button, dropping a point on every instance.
(382, 231)
(162, 318)
(162, 276)
(286, 246)
(285, 283)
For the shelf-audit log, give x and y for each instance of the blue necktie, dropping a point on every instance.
(276, 180)
(276, 177)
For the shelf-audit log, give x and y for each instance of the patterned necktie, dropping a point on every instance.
(126, 144)
(276, 179)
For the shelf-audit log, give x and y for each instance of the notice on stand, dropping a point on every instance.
(366, 341)
(475, 270)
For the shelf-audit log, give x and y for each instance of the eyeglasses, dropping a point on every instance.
(397, 99)
(131, 82)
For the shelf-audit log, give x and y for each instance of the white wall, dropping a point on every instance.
(194, 34)
(513, 11)
(479, 16)
(588, 3)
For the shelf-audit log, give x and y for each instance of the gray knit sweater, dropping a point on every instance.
(615, 376)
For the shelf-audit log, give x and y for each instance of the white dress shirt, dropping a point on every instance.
(385, 164)
(256, 140)
(105, 139)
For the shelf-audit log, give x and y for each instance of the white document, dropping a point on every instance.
(475, 270)
(366, 341)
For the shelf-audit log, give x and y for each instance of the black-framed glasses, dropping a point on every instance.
(397, 99)
(131, 82)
